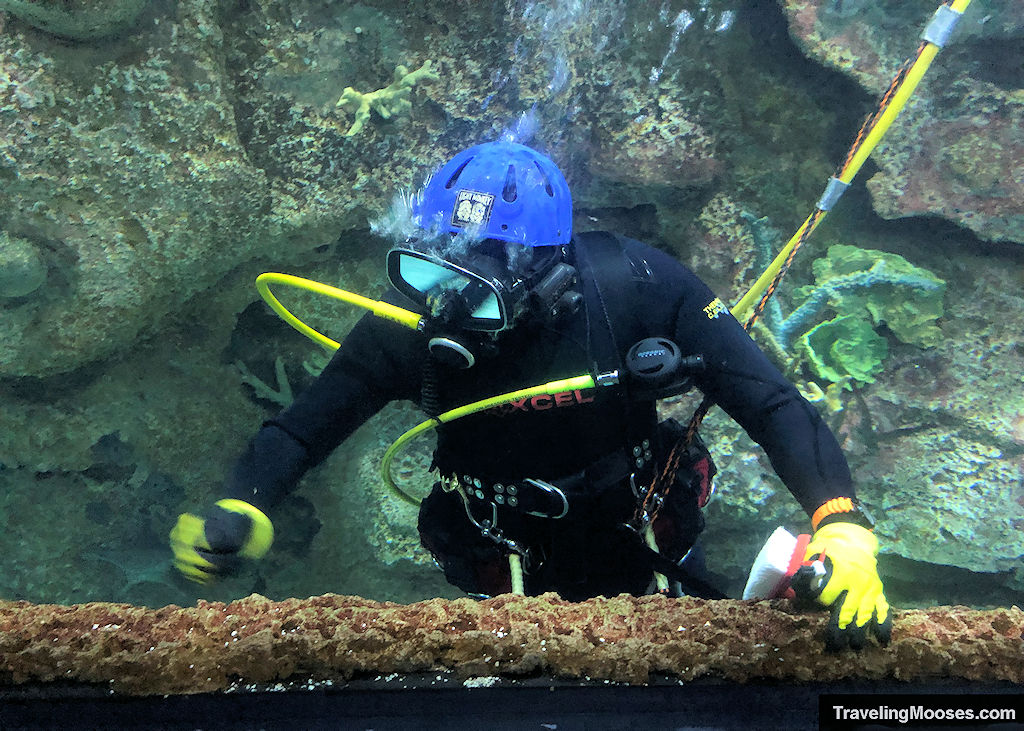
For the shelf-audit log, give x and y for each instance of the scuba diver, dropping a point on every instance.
(556, 491)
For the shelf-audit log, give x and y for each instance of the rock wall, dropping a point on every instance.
(153, 161)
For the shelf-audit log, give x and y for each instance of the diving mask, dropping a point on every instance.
(471, 298)
(452, 295)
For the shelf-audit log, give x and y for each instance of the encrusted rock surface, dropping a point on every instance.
(150, 168)
(625, 639)
(80, 20)
(955, 151)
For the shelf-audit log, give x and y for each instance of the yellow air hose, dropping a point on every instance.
(550, 388)
(381, 309)
(414, 322)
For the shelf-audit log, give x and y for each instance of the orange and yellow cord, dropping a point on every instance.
(870, 134)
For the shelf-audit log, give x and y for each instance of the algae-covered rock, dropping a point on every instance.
(956, 150)
(22, 269)
(133, 178)
(962, 163)
(80, 20)
(168, 163)
(148, 180)
(663, 143)
(949, 499)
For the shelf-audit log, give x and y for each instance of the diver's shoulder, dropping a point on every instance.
(628, 243)
(639, 252)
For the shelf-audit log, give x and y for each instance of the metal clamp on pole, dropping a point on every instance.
(941, 26)
(833, 192)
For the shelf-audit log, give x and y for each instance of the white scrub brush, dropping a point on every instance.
(777, 561)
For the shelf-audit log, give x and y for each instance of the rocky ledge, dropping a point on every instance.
(213, 646)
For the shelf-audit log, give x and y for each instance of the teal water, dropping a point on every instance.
(153, 162)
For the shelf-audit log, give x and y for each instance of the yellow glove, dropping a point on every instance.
(216, 545)
(850, 585)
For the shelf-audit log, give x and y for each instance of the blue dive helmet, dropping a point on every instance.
(508, 191)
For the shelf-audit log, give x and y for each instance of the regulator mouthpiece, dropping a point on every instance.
(451, 353)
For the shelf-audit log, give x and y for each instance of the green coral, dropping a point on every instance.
(864, 289)
(904, 297)
(844, 347)
(392, 99)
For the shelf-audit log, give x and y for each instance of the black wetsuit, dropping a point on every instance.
(551, 437)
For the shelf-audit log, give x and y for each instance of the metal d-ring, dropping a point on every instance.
(633, 487)
(488, 528)
(548, 487)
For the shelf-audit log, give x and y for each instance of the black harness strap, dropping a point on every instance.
(690, 584)
(608, 281)
(606, 276)
(608, 288)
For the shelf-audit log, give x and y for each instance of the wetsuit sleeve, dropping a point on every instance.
(375, 364)
(749, 388)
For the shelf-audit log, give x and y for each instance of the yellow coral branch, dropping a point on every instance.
(392, 99)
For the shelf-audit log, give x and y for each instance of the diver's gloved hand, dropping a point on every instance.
(850, 585)
(218, 543)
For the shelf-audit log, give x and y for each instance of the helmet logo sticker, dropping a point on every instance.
(472, 208)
